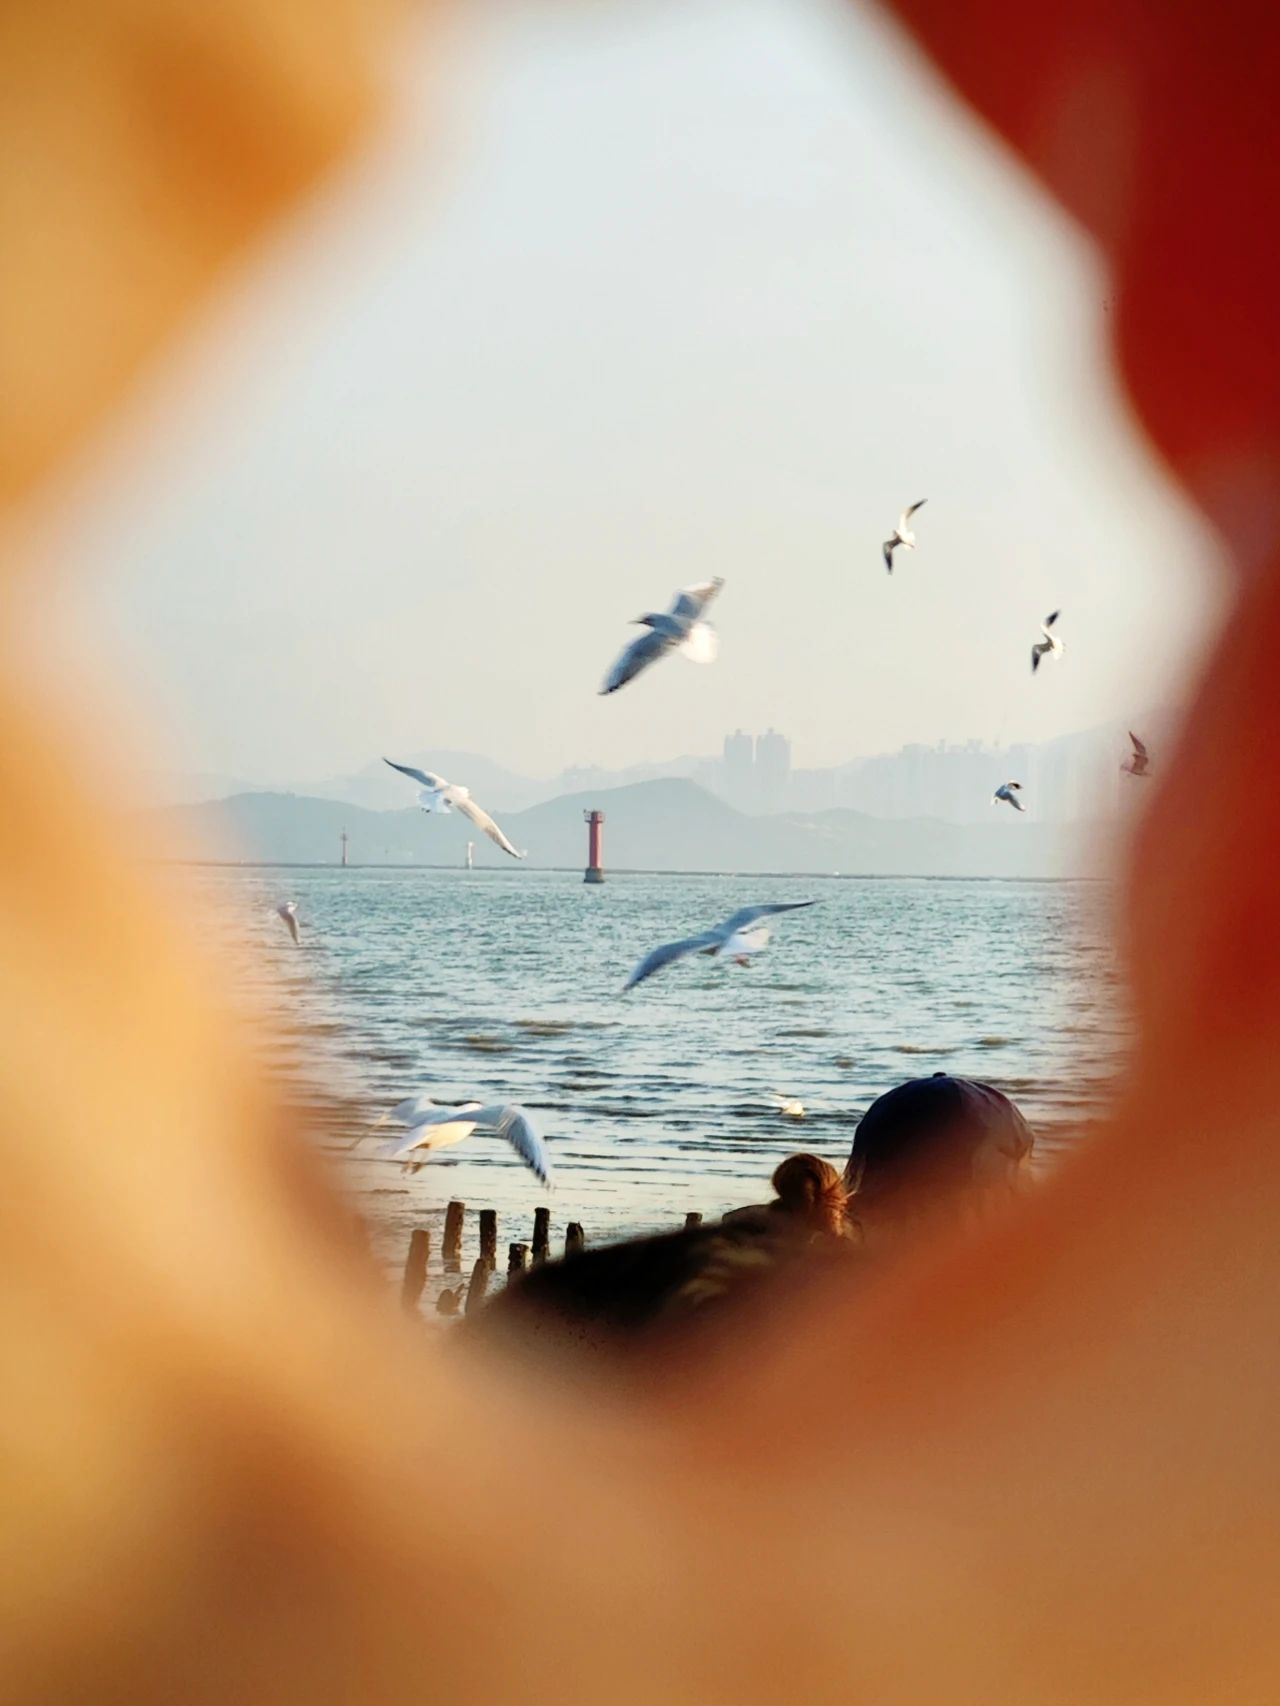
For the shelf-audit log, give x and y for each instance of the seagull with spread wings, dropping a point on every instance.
(740, 936)
(432, 1127)
(1007, 791)
(902, 534)
(1139, 760)
(288, 912)
(437, 795)
(1050, 646)
(679, 629)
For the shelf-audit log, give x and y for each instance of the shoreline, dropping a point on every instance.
(616, 871)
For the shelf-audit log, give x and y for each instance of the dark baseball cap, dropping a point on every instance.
(935, 1134)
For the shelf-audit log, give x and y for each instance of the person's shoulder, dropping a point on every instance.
(760, 1216)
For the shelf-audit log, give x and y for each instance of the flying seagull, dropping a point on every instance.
(736, 939)
(1139, 760)
(288, 911)
(1007, 791)
(679, 629)
(1051, 645)
(431, 1128)
(437, 795)
(902, 534)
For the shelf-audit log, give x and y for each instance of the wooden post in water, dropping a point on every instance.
(415, 1268)
(453, 1218)
(489, 1236)
(541, 1234)
(517, 1259)
(574, 1238)
(447, 1302)
(479, 1282)
(692, 1220)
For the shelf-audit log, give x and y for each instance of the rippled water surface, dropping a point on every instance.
(506, 985)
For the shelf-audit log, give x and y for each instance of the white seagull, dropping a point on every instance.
(437, 795)
(902, 534)
(288, 910)
(736, 939)
(1139, 760)
(1051, 645)
(431, 1128)
(1007, 791)
(679, 629)
(790, 1107)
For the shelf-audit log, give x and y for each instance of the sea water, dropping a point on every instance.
(507, 986)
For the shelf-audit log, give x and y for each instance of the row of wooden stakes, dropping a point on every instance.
(458, 1300)
(454, 1301)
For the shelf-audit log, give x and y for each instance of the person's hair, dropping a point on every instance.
(811, 1190)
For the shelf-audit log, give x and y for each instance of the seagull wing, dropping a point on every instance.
(1037, 652)
(906, 515)
(643, 651)
(509, 1120)
(425, 1113)
(412, 1111)
(656, 958)
(462, 801)
(888, 553)
(1139, 747)
(691, 601)
(1050, 620)
(428, 778)
(748, 914)
(290, 920)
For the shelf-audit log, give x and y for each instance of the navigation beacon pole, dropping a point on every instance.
(594, 872)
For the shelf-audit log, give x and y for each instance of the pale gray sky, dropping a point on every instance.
(664, 288)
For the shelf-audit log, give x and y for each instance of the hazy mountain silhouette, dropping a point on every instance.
(1073, 777)
(661, 825)
(378, 788)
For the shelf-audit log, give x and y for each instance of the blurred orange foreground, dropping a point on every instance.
(1041, 1469)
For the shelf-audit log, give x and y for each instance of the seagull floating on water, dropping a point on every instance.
(1051, 645)
(902, 534)
(432, 1127)
(736, 939)
(679, 629)
(788, 1106)
(1140, 759)
(437, 795)
(1007, 791)
(288, 910)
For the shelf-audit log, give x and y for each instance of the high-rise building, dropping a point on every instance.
(739, 768)
(773, 769)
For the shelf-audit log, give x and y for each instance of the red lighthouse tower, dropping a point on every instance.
(594, 872)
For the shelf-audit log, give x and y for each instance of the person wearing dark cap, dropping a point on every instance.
(933, 1144)
(937, 1146)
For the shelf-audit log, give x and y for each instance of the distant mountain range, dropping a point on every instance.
(1072, 779)
(376, 787)
(664, 825)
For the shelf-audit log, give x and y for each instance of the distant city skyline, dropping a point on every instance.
(1073, 778)
(755, 771)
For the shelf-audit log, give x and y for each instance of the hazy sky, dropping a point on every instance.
(662, 289)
